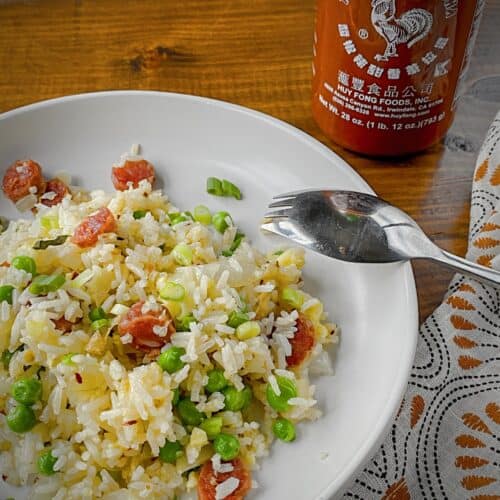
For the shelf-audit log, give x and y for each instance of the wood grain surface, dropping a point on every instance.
(255, 53)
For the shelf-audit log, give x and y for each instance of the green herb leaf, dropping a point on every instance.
(44, 244)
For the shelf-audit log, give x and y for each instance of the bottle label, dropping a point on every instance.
(394, 62)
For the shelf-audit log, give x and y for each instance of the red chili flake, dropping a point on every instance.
(79, 378)
(130, 422)
(5, 264)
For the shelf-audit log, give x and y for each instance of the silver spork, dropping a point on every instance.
(359, 227)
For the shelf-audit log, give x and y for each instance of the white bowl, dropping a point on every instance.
(189, 138)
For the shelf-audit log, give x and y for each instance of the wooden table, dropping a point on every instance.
(257, 54)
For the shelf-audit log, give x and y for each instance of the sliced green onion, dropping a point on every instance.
(139, 214)
(67, 359)
(202, 214)
(229, 189)
(235, 244)
(6, 293)
(222, 187)
(172, 291)
(49, 222)
(97, 313)
(292, 297)
(176, 218)
(236, 318)
(183, 324)
(248, 330)
(176, 395)
(183, 254)
(100, 323)
(219, 221)
(43, 284)
(214, 186)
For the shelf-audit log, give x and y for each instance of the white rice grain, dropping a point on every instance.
(225, 488)
(274, 385)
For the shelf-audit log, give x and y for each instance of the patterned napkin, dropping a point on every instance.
(445, 440)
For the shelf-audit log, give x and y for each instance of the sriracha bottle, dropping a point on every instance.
(387, 73)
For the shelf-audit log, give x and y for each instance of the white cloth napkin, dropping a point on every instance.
(445, 440)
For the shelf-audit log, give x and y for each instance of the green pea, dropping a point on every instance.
(26, 391)
(170, 360)
(227, 446)
(237, 318)
(43, 284)
(284, 429)
(235, 400)
(190, 415)
(288, 390)
(212, 426)
(24, 264)
(46, 462)
(170, 452)
(182, 324)
(216, 381)
(97, 313)
(176, 394)
(219, 221)
(6, 357)
(139, 214)
(21, 418)
(6, 293)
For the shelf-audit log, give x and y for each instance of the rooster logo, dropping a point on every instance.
(411, 27)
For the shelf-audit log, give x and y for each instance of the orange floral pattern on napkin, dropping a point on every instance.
(445, 440)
